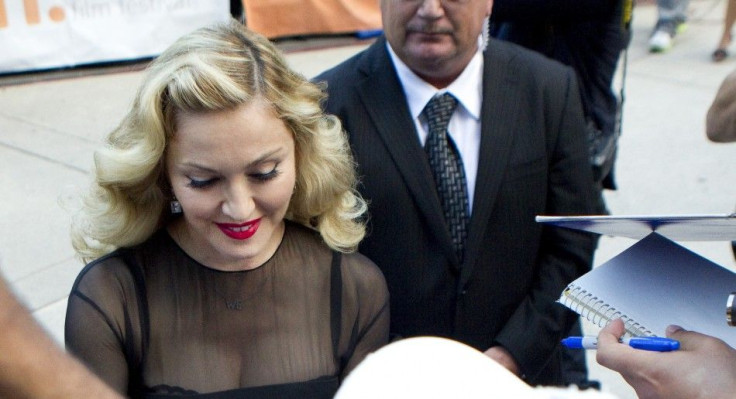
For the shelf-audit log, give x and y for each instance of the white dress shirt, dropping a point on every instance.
(464, 127)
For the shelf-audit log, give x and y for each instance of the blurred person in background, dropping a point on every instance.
(671, 20)
(721, 51)
(720, 121)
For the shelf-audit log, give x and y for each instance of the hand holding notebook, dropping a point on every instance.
(656, 283)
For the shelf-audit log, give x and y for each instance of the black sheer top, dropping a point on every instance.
(154, 323)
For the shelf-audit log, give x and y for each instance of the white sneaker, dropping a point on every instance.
(660, 41)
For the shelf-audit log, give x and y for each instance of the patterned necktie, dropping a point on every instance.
(447, 168)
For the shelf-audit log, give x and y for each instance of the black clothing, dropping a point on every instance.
(154, 323)
(533, 160)
(589, 36)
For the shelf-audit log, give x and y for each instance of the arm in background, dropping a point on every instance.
(32, 365)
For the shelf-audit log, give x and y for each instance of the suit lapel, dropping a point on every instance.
(385, 102)
(498, 114)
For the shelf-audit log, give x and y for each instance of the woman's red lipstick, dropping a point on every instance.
(240, 231)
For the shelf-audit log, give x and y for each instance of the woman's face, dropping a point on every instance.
(233, 173)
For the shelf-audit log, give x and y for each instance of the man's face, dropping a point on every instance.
(435, 38)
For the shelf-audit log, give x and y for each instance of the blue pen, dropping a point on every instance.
(657, 344)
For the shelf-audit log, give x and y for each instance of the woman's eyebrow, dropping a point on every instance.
(259, 160)
(266, 156)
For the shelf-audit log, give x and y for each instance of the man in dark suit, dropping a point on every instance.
(517, 134)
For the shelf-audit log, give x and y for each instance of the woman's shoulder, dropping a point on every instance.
(105, 280)
(363, 271)
(355, 266)
(362, 262)
(118, 269)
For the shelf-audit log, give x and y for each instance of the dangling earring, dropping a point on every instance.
(175, 207)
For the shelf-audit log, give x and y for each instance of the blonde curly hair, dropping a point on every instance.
(211, 69)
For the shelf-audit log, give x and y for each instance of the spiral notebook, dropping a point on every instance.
(652, 284)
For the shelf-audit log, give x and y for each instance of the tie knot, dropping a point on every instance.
(439, 110)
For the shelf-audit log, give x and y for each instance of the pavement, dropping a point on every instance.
(51, 123)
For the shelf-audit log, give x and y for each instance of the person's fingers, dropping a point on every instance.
(611, 333)
(683, 336)
(691, 340)
(611, 353)
(673, 329)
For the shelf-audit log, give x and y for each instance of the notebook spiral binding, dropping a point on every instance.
(597, 311)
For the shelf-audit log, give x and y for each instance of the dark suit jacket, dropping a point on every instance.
(533, 161)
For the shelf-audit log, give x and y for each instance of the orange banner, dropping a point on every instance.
(280, 18)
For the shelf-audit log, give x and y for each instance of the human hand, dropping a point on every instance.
(504, 358)
(703, 367)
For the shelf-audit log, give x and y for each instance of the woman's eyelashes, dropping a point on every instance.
(197, 183)
(257, 176)
(267, 175)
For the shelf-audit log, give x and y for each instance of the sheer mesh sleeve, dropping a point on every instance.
(101, 315)
(366, 308)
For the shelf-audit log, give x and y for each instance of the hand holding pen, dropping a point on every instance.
(702, 367)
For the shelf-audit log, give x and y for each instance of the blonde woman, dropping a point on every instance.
(220, 228)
